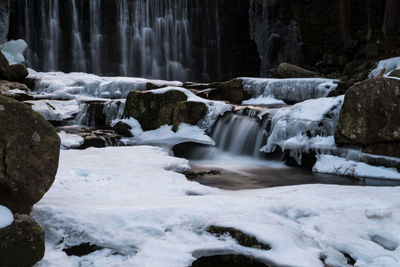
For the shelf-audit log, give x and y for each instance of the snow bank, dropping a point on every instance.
(294, 90)
(164, 136)
(6, 217)
(13, 51)
(56, 110)
(304, 126)
(386, 67)
(126, 201)
(70, 140)
(60, 85)
(263, 101)
(340, 166)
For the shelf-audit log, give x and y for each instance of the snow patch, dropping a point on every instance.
(386, 67)
(340, 166)
(70, 140)
(6, 217)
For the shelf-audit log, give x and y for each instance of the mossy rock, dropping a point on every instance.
(370, 113)
(286, 70)
(188, 112)
(231, 91)
(123, 129)
(242, 238)
(21, 243)
(152, 110)
(29, 153)
(18, 72)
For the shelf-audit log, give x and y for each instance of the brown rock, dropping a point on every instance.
(18, 72)
(188, 112)
(286, 70)
(29, 151)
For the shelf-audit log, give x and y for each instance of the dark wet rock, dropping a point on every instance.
(227, 260)
(395, 73)
(242, 238)
(341, 89)
(188, 112)
(94, 114)
(81, 249)
(286, 70)
(191, 175)
(123, 129)
(4, 67)
(370, 113)
(152, 110)
(21, 243)
(6, 88)
(18, 72)
(196, 86)
(98, 138)
(391, 149)
(29, 151)
(231, 91)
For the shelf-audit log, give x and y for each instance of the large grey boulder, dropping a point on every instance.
(29, 152)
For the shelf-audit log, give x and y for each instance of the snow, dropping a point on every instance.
(13, 51)
(56, 110)
(263, 101)
(164, 136)
(340, 166)
(60, 85)
(294, 90)
(304, 126)
(6, 217)
(128, 200)
(70, 140)
(386, 67)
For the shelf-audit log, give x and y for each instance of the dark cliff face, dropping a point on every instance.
(329, 32)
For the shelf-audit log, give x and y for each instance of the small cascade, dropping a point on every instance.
(99, 114)
(240, 133)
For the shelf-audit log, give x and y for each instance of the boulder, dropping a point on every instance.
(370, 113)
(391, 149)
(4, 67)
(122, 129)
(188, 112)
(21, 243)
(231, 91)
(18, 72)
(152, 110)
(286, 70)
(14, 90)
(29, 152)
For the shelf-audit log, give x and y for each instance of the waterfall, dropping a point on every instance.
(158, 39)
(240, 133)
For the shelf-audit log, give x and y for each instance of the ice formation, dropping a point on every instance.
(386, 67)
(13, 51)
(6, 217)
(293, 90)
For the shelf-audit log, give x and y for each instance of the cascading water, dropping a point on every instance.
(158, 39)
(240, 133)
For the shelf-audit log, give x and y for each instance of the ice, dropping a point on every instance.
(6, 217)
(386, 67)
(70, 140)
(125, 200)
(263, 100)
(164, 136)
(13, 51)
(340, 166)
(56, 110)
(293, 90)
(60, 85)
(304, 126)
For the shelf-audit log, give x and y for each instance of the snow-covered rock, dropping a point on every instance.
(304, 126)
(386, 67)
(70, 140)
